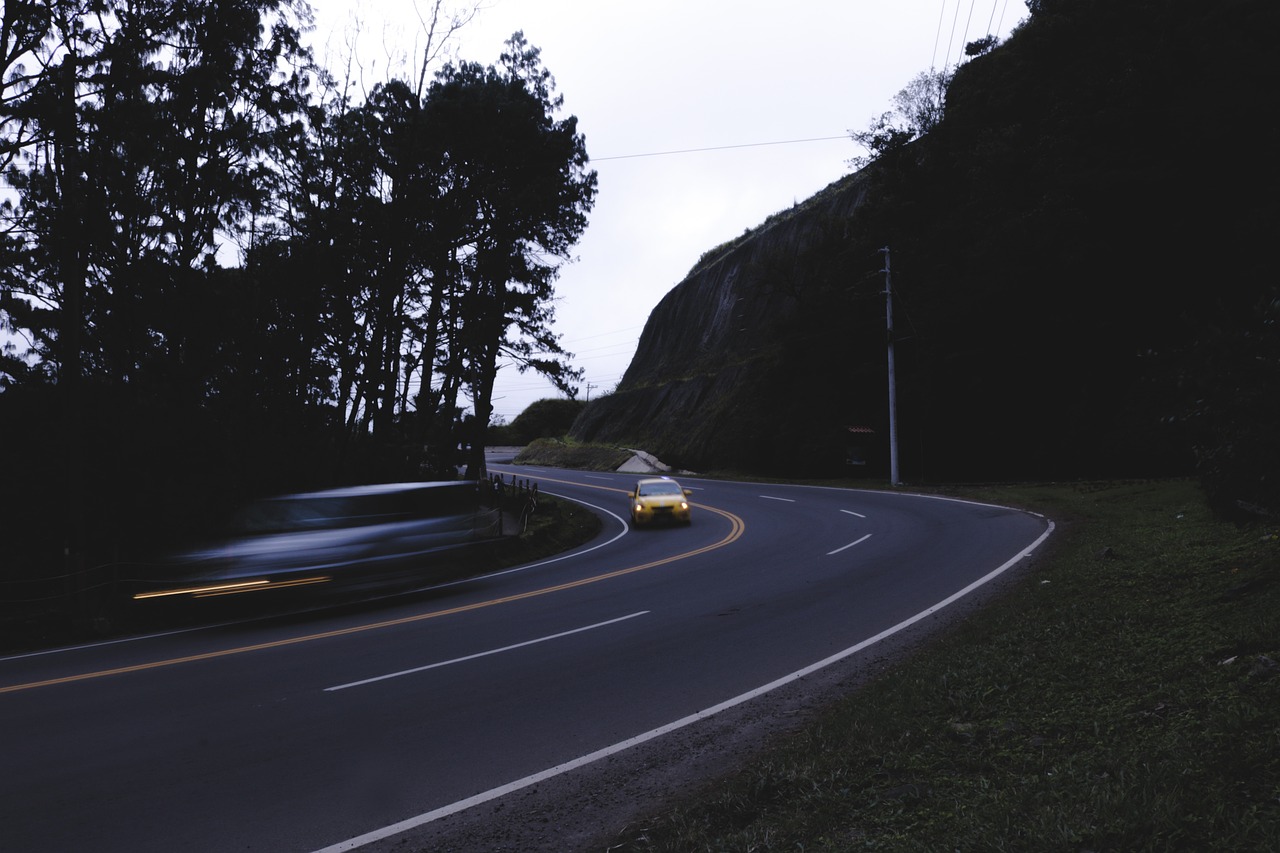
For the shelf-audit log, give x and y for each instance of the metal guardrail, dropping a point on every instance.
(520, 498)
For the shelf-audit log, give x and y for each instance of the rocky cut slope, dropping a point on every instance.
(732, 369)
(1084, 266)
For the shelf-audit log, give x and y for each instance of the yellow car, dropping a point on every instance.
(659, 499)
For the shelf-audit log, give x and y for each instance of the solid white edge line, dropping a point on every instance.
(899, 493)
(850, 545)
(484, 654)
(590, 758)
(569, 556)
(98, 644)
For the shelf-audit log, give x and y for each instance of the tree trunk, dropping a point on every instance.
(72, 273)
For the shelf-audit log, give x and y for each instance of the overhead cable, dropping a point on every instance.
(718, 148)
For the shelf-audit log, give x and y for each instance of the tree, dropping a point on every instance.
(364, 197)
(917, 109)
(132, 135)
(982, 46)
(24, 26)
(547, 418)
(143, 129)
(519, 178)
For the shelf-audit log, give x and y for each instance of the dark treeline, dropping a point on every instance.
(221, 276)
(1085, 240)
(1082, 224)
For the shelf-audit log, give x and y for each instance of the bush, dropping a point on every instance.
(562, 454)
(549, 418)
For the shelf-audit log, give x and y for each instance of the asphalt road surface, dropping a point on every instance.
(356, 728)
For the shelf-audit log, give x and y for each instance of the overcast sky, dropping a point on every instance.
(643, 79)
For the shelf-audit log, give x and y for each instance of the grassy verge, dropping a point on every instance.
(1124, 695)
(562, 453)
(555, 527)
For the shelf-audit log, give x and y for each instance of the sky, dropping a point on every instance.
(756, 99)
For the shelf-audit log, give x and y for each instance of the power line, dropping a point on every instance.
(937, 37)
(604, 334)
(616, 347)
(967, 21)
(1002, 10)
(719, 148)
(951, 39)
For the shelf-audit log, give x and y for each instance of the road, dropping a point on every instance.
(342, 729)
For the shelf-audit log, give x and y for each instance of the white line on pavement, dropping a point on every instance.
(484, 654)
(591, 758)
(850, 545)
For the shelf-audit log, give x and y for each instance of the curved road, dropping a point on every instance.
(340, 729)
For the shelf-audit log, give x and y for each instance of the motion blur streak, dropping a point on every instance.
(737, 526)
(230, 588)
(244, 586)
(234, 589)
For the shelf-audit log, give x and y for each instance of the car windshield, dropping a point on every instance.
(650, 489)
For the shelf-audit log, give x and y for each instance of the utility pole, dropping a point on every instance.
(894, 479)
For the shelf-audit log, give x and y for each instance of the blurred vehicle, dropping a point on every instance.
(659, 499)
(353, 537)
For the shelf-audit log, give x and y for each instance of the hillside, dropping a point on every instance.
(736, 324)
(1081, 251)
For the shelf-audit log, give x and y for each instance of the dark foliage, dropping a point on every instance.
(150, 473)
(410, 240)
(1081, 256)
(550, 418)
(1080, 250)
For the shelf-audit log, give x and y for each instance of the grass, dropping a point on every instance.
(1125, 695)
(564, 453)
(555, 527)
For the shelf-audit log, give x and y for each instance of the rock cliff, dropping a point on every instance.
(715, 381)
(1071, 301)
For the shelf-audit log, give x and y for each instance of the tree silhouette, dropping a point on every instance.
(516, 180)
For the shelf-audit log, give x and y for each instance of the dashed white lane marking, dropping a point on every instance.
(591, 758)
(439, 664)
(850, 545)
